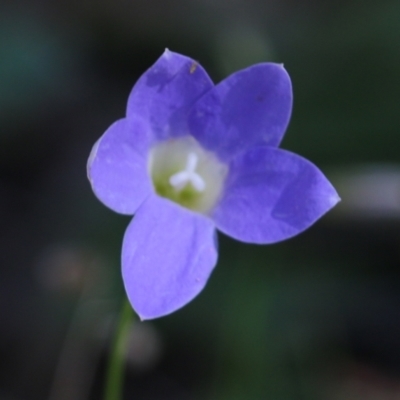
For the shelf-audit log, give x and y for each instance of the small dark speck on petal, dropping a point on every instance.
(193, 67)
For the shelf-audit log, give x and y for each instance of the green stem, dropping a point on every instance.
(115, 371)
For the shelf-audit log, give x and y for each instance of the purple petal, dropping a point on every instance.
(250, 106)
(166, 91)
(167, 256)
(117, 166)
(271, 195)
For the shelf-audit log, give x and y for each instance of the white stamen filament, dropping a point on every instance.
(189, 174)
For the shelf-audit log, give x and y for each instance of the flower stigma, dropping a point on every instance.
(182, 178)
(182, 171)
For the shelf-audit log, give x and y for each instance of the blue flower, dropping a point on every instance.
(190, 157)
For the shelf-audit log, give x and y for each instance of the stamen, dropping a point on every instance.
(182, 178)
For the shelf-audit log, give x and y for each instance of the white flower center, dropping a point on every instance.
(188, 175)
(185, 173)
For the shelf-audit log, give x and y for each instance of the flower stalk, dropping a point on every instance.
(115, 370)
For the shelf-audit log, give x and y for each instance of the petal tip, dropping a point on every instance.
(334, 199)
(149, 314)
(142, 318)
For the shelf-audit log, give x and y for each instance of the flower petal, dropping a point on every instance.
(167, 256)
(250, 106)
(271, 195)
(117, 166)
(166, 91)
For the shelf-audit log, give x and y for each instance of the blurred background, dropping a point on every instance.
(315, 317)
